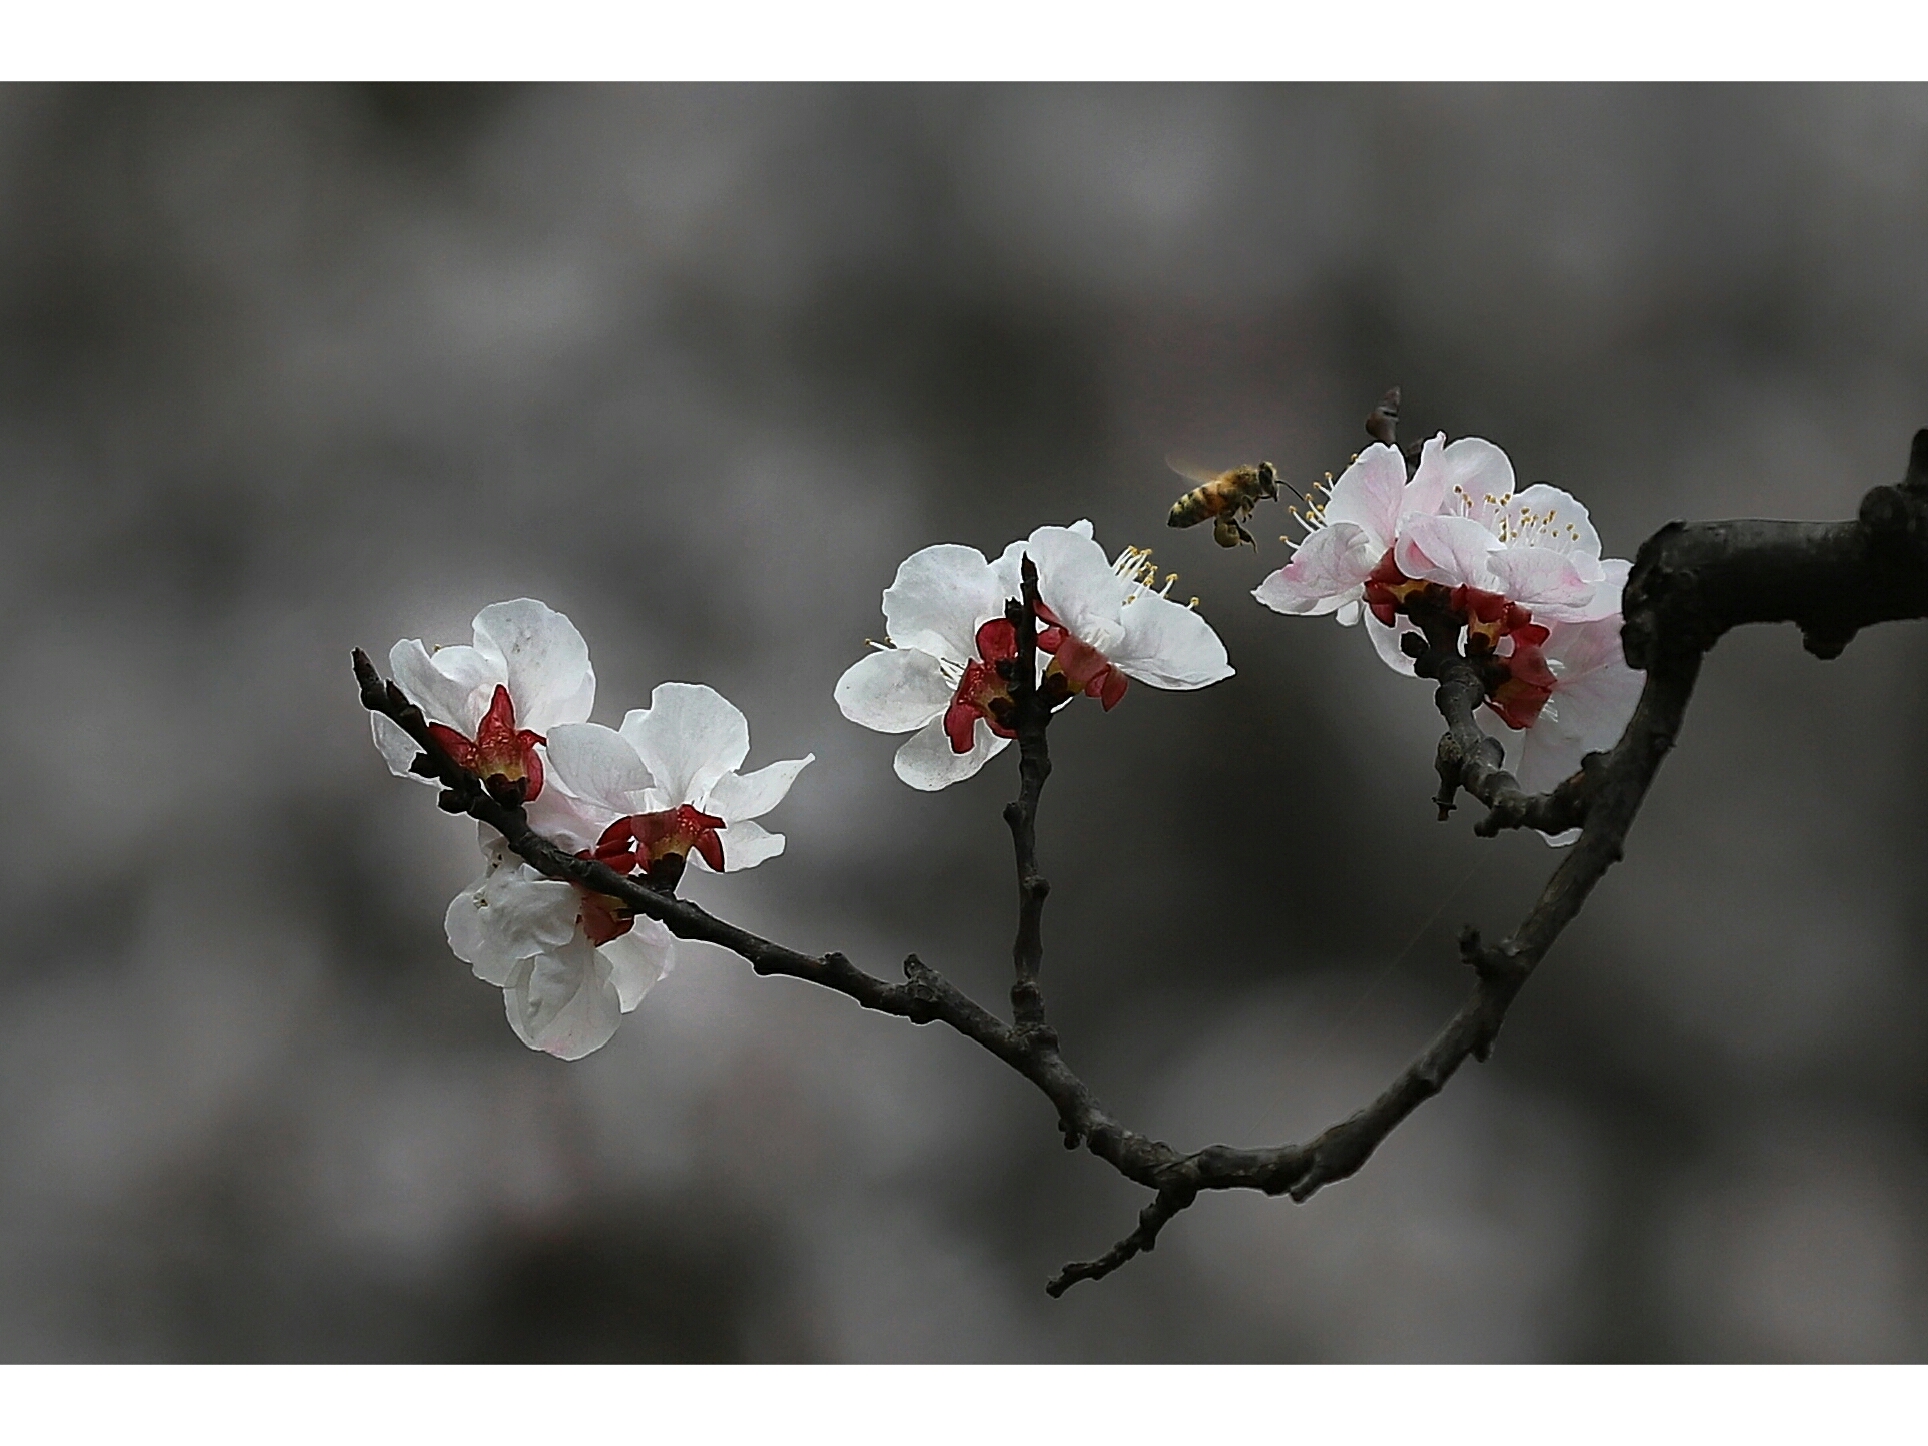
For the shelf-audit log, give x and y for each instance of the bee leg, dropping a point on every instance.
(1244, 536)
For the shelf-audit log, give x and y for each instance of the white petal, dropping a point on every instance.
(1369, 495)
(451, 685)
(746, 844)
(927, 762)
(1324, 574)
(542, 657)
(397, 748)
(893, 690)
(1076, 581)
(1448, 550)
(509, 914)
(1457, 476)
(638, 959)
(564, 1003)
(689, 736)
(938, 598)
(740, 796)
(598, 765)
(1386, 641)
(1560, 518)
(571, 823)
(1168, 645)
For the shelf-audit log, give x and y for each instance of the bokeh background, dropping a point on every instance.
(287, 371)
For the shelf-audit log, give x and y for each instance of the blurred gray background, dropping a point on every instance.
(287, 371)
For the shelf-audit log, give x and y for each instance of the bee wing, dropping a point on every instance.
(1191, 469)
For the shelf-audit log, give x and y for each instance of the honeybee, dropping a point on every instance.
(1227, 498)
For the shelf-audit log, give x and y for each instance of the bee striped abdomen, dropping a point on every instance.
(1198, 504)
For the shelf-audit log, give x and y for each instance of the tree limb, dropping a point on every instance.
(1691, 583)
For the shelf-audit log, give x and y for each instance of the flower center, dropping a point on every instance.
(649, 841)
(500, 754)
(1518, 679)
(985, 689)
(603, 916)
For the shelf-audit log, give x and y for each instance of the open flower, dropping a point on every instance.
(1347, 538)
(946, 675)
(1538, 608)
(569, 963)
(1462, 524)
(1109, 621)
(1459, 524)
(664, 786)
(490, 704)
(1580, 704)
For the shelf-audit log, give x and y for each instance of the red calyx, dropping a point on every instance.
(1528, 682)
(499, 749)
(985, 689)
(603, 916)
(1085, 669)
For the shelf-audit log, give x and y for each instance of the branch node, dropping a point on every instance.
(920, 991)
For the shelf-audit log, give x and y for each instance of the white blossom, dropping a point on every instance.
(569, 963)
(943, 676)
(527, 671)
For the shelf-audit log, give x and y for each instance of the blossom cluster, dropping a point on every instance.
(1518, 569)
(513, 708)
(1519, 573)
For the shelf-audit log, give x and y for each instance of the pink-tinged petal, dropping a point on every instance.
(689, 736)
(1386, 642)
(740, 796)
(398, 750)
(1426, 494)
(1578, 649)
(1075, 581)
(1592, 700)
(564, 1003)
(1605, 602)
(1448, 550)
(1168, 646)
(939, 597)
(926, 761)
(450, 685)
(639, 959)
(1324, 574)
(509, 914)
(542, 658)
(1541, 579)
(893, 690)
(1369, 494)
(599, 766)
(1457, 476)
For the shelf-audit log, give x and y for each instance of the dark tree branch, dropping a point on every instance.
(1032, 717)
(1691, 584)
